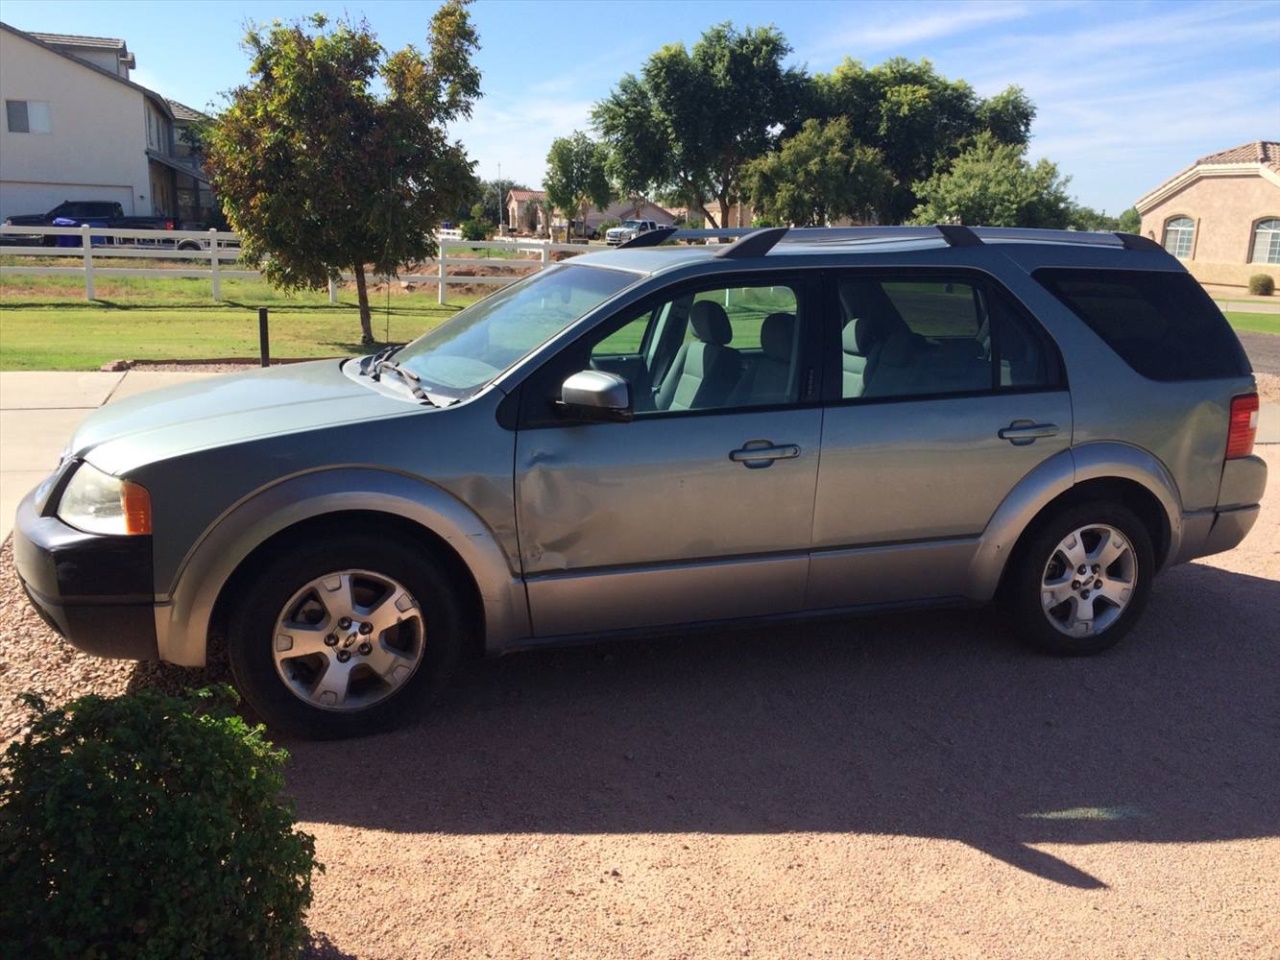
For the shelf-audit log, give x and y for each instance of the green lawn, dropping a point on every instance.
(45, 323)
(1255, 322)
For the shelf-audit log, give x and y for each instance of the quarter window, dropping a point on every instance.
(27, 116)
(1179, 234)
(1266, 241)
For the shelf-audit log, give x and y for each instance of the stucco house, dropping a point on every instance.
(1221, 215)
(75, 127)
(527, 214)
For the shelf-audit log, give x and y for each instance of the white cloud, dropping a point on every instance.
(907, 24)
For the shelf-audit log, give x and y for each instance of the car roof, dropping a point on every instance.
(659, 251)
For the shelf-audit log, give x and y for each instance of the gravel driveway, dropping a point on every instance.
(902, 786)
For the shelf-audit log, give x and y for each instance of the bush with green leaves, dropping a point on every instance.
(149, 826)
(1262, 285)
(476, 230)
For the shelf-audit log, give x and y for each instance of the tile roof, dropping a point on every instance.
(1264, 152)
(182, 112)
(528, 194)
(72, 40)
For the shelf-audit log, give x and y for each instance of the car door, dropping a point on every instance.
(943, 395)
(701, 507)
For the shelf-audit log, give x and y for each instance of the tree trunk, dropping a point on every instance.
(366, 319)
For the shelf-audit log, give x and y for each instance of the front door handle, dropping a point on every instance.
(761, 453)
(1022, 432)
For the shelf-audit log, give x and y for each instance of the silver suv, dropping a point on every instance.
(797, 423)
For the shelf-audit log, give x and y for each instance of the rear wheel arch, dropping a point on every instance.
(1127, 493)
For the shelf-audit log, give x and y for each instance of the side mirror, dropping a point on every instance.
(596, 395)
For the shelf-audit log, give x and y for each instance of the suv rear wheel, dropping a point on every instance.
(340, 635)
(1081, 581)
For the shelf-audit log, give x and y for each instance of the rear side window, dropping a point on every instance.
(1163, 325)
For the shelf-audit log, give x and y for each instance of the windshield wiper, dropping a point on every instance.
(409, 377)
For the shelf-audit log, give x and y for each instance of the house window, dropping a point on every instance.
(1266, 241)
(1178, 234)
(27, 116)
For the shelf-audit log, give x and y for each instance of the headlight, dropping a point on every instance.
(96, 502)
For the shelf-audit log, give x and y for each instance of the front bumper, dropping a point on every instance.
(95, 590)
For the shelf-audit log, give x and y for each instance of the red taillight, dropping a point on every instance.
(1244, 426)
(168, 224)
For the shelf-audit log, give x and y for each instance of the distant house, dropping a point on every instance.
(75, 127)
(525, 214)
(1221, 215)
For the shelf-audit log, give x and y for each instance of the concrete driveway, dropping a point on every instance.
(39, 412)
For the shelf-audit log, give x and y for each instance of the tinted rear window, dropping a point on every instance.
(1162, 324)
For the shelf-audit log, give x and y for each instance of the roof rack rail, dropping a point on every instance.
(756, 242)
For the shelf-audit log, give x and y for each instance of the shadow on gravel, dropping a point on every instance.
(928, 725)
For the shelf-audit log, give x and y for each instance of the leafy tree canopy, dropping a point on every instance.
(576, 179)
(817, 176)
(993, 184)
(918, 119)
(694, 118)
(335, 155)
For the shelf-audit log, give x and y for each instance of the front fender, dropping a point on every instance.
(182, 623)
(1105, 460)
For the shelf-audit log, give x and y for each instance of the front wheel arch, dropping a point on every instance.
(348, 522)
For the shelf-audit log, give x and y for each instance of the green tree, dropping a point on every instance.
(993, 184)
(918, 119)
(1129, 221)
(1086, 218)
(693, 119)
(576, 177)
(335, 155)
(817, 176)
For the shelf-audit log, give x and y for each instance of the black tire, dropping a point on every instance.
(359, 574)
(1096, 608)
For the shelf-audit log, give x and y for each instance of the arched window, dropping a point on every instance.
(1266, 241)
(1179, 232)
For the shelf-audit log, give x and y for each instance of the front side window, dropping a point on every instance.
(1266, 241)
(1179, 235)
(27, 116)
(918, 336)
(720, 348)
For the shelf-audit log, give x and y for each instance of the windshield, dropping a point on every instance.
(461, 356)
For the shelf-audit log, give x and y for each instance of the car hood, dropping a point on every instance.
(222, 410)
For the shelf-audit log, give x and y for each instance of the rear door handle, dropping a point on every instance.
(761, 453)
(1022, 432)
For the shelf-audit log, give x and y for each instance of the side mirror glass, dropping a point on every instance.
(596, 395)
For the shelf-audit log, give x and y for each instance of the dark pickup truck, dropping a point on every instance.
(94, 213)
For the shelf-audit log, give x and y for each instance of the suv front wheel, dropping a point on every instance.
(340, 635)
(1082, 579)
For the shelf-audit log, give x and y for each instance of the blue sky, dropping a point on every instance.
(1128, 92)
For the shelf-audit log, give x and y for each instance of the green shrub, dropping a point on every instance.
(1262, 285)
(149, 826)
(475, 230)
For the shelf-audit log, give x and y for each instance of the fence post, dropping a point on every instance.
(333, 290)
(87, 253)
(546, 256)
(215, 264)
(264, 340)
(441, 263)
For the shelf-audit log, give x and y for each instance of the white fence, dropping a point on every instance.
(213, 254)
